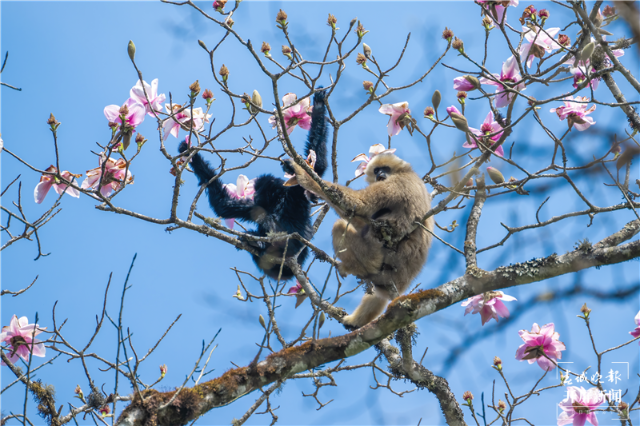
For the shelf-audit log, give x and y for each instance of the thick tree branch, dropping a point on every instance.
(404, 310)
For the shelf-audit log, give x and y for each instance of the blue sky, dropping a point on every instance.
(70, 59)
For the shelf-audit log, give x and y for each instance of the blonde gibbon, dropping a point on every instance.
(395, 195)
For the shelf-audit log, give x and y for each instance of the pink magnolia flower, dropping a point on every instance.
(636, 333)
(296, 289)
(114, 175)
(243, 190)
(575, 113)
(509, 74)
(373, 151)
(183, 119)
(540, 342)
(579, 78)
(488, 127)
(488, 305)
(462, 84)
(296, 115)
(133, 111)
(48, 181)
(500, 10)
(543, 40)
(579, 405)
(397, 113)
(155, 100)
(298, 292)
(19, 334)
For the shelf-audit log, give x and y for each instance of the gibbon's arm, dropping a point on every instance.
(223, 205)
(317, 137)
(351, 198)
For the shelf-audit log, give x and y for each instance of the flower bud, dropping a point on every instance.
(229, 22)
(461, 97)
(497, 363)
(238, 294)
(361, 60)
(53, 122)
(332, 21)
(470, 183)
(281, 18)
(609, 11)
(131, 50)
(163, 370)
(529, 13)
(262, 323)
(321, 320)
(495, 175)
(245, 99)
(79, 393)
(124, 110)
(265, 49)
(224, 72)
(366, 49)
(428, 113)
(447, 34)
(564, 40)
(473, 80)
(368, 86)
(544, 14)
(467, 396)
(360, 31)
(256, 99)
(458, 45)
(204, 46)
(195, 88)
(587, 51)
(140, 140)
(501, 405)
(459, 121)
(487, 23)
(585, 310)
(435, 99)
(286, 51)
(623, 406)
(208, 96)
(218, 5)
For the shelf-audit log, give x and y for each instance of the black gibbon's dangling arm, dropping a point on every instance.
(274, 207)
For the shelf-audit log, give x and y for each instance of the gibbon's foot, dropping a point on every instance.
(350, 327)
(348, 322)
(340, 269)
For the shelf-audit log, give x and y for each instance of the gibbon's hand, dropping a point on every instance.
(287, 166)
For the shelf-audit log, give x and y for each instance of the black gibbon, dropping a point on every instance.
(274, 207)
(397, 195)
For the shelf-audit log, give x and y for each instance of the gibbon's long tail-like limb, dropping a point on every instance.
(395, 196)
(274, 207)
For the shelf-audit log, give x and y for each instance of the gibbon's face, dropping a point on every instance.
(381, 173)
(383, 166)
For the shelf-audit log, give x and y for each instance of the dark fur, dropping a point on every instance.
(274, 208)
